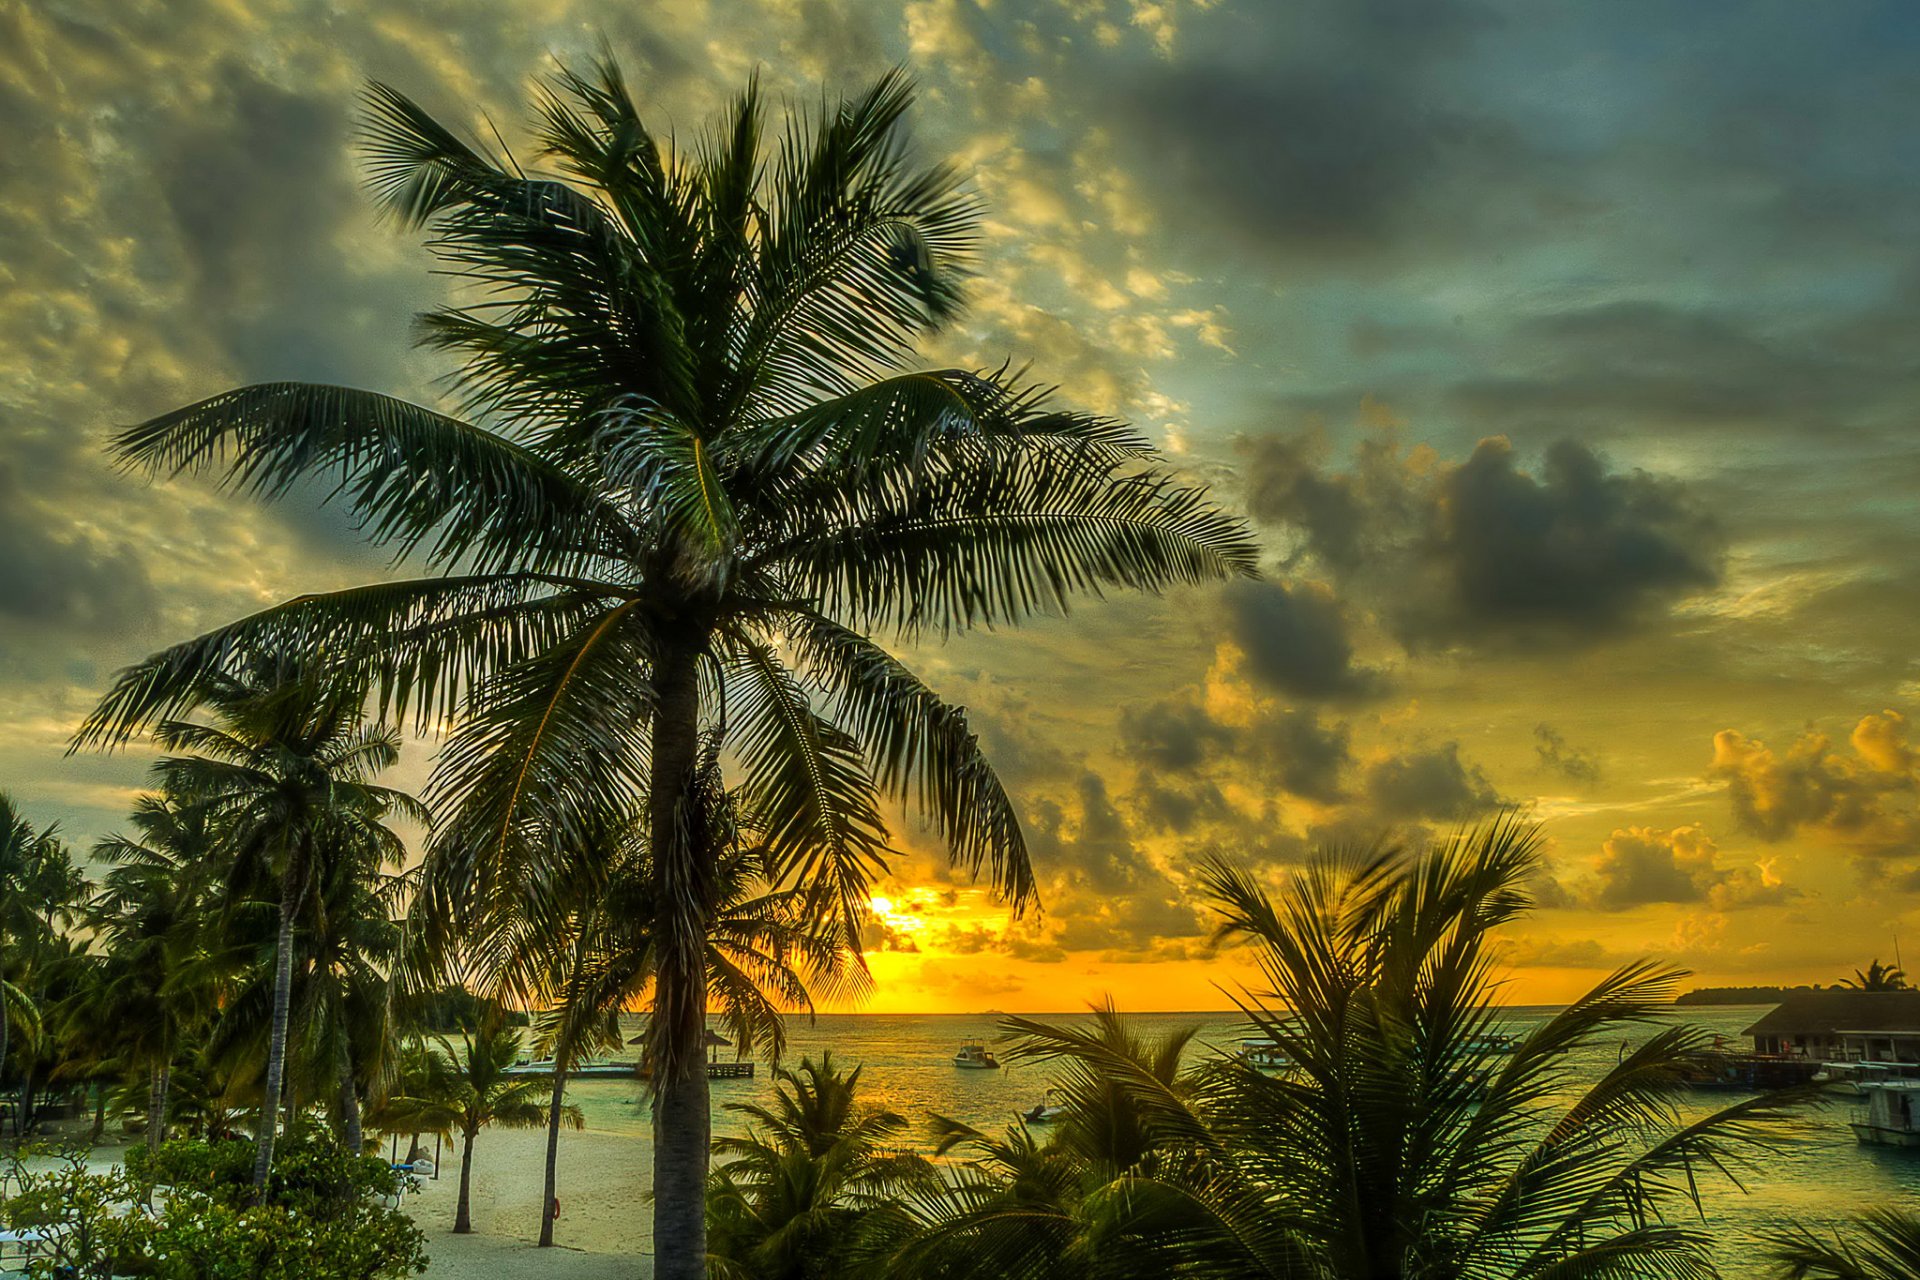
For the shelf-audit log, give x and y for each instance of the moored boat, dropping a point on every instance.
(975, 1057)
(1891, 1116)
(1265, 1055)
(1044, 1112)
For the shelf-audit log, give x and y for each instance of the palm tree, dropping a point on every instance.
(1877, 977)
(790, 1194)
(151, 913)
(1882, 1244)
(761, 958)
(466, 1092)
(1400, 1146)
(38, 885)
(690, 462)
(284, 771)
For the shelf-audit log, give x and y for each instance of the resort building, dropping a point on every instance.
(1839, 1025)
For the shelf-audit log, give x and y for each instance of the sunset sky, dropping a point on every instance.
(1565, 357)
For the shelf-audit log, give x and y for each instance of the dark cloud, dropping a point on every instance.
(1556, 754)
(1575, 549)
(1104, 890)
(1296, 640)
(1432, 783)
(1330, 130)
(878, 934)
(1483, 551)
(1182, 751)
(56, 575)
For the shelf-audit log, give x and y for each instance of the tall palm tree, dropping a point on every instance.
(1400, 1146)
(1882, 1244)
(762, 958)
(790, 1194)
(465, 1091)
(1877, 977)
(694, 470)
(151, 914)
(285, 771)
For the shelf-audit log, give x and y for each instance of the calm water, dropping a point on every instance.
(1820, 1174)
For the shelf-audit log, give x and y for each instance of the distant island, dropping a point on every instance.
(1741, 995)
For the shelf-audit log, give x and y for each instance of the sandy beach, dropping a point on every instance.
(603, 1231)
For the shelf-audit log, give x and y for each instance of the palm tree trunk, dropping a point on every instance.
(157, 1079)
(553, 1153)
(683, 874)
(99, 1114)
(349, 1095)
(463, 1212)
(277, 1038)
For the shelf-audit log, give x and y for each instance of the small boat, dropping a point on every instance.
(1493, 1042)
(1891, 1116)
(1045, 1111)
(1265, 1055)
(975, 1057)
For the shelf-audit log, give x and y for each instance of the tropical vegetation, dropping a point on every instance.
(691, 468)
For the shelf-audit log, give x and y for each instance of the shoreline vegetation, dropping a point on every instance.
(692, 497)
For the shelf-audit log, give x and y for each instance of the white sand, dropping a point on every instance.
(604, 1228)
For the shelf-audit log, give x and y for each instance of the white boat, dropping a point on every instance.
(975, 1057)
(1264, 1054)
(1045, 1111)
(1891, 1116)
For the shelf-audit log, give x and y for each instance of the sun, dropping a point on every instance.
(881, 906)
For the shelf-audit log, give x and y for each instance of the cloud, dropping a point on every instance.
(1329, 133)
(1640, 866)
(1176, 741)
(1295, 639)
(1863, 799)
(1570, 762)
(1104, 891)
(1482, 551)
(1561, 953)
(58, 573)
(1431, 782)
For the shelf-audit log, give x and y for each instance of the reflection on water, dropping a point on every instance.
(1818, 1175)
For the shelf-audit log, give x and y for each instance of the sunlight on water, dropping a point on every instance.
(1819, 1175)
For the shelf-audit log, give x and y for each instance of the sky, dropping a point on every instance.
(1564, 358)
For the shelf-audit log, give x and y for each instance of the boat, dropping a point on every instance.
(1493, 1042)
(975, 1057)
(1751, 1072)
(1264, 1054)
(1045, 1111)
(1891, 1116)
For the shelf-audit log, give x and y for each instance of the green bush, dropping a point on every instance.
(324, 1216)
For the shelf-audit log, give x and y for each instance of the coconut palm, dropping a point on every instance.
(464, 1091)
(762, 957)
(1882, 1244)
(39, 888)
(1399, 1147)
(346, 942)
(284, 771)
(151, 914)
(1877, 977)
(692, 458)
(788, 1196)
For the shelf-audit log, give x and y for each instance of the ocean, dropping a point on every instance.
(1817, 1175)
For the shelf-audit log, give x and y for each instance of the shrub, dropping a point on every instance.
(324, 1216)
